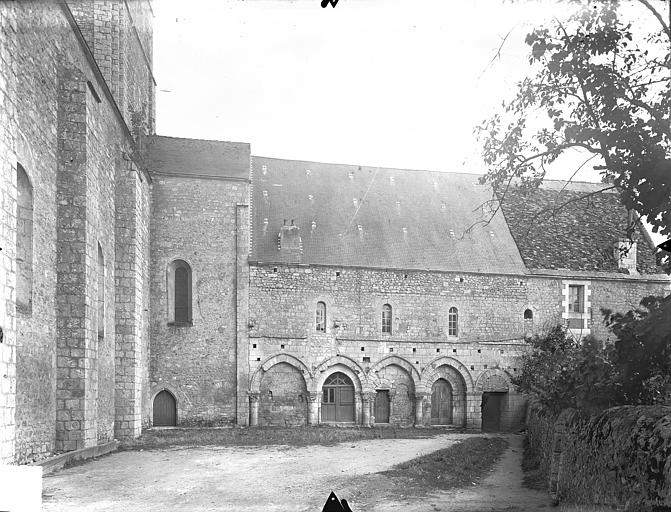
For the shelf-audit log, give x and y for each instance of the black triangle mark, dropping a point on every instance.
(333, 504)
(332, 2)
(665, 246)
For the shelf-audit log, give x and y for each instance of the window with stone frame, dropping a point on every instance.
(576, 298)
(577, 306)
(179, 293)
(386, 319)
(320, 321)
(453, 322)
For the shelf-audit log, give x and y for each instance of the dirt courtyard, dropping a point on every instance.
(259, 479)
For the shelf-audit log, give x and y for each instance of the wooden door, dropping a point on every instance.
(441, 403)
(165, 410)
(338, 399)
(491, 411)
(382, 407)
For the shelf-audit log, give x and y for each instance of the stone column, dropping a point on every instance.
(366, 398)
(357, 408)
(419, 409)
(313, 408)
(253, 409)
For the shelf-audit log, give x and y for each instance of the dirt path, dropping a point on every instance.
(275, 479)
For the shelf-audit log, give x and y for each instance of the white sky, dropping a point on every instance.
(392, 83)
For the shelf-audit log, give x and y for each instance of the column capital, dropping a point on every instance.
(253, 396)
(313, 396)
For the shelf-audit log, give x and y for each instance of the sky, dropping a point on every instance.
(390, 83)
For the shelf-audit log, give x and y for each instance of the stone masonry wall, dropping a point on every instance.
(283, 399)
(57, 379)
(119, 34)
(491, 324)
(8, 137)
(194, 220)
(282, 315)
(132, 300)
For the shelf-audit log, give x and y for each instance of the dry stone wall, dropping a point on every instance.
(617, 458)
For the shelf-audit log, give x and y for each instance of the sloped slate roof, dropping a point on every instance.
(578, 236)
(196, 157)
(386, 218)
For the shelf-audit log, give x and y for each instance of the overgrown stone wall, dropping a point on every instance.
(619, 457)
(194, 220)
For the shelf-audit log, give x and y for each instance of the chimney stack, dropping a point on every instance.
(624, 253)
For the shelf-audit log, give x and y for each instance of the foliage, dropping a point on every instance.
(642, 351)
(606, 90)
(564, 372)
(590, 375)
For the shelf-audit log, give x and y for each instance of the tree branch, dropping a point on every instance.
(656, 14)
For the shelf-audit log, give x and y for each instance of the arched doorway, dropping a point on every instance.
(441, 403)
(338, 399)
(165, 410)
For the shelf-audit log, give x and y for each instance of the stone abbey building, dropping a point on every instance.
(150, 280)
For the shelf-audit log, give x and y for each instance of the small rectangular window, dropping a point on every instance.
(576, 298)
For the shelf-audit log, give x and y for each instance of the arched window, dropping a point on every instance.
(386, 319)
(24, 241)
(320, 322)
(101, 293)
(179, 293)
(453, 322)
(528, 322)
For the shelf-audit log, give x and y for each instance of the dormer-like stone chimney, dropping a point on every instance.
(289, 243)
(624, 252)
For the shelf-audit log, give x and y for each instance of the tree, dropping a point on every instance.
(642, 352)
(606, 90)
(561, 372)
(591, 375)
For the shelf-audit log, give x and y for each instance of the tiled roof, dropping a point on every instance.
(195, 157)
(375, 217)
(578, 236)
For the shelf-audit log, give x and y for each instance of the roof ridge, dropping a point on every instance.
(367, 166)
(156, 135)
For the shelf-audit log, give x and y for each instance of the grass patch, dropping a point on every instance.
(270, 436)
(460, 465)
(533, 476)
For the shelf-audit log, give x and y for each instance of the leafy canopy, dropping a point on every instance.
(606, 90)
(634, 369)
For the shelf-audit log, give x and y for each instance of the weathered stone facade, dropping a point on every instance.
(157, 280)
(62, 127)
